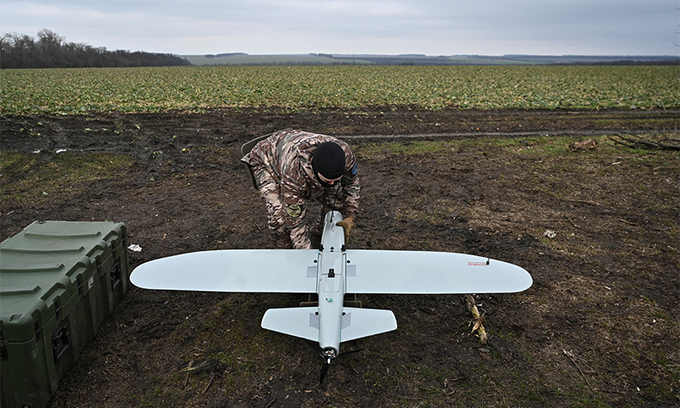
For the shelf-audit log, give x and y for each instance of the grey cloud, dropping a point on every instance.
(357, 26)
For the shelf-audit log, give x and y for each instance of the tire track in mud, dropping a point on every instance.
(472, 135)
(144, 134)
(124, 145)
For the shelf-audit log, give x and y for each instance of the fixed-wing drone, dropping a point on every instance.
(332, 271)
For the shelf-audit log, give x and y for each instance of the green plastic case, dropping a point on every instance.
(58, 281)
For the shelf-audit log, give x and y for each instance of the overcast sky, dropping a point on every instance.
(432, 27)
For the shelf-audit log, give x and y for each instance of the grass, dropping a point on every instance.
(245, 355)
(38, 178)
(528, 146)
(79, 91)
(552, 174)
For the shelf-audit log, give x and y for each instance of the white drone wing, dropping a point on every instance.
(421, 272)
(369, 271)
(238, 270)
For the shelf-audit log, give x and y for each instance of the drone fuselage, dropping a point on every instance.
(331, 281)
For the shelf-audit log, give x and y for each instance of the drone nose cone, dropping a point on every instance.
(329, 354)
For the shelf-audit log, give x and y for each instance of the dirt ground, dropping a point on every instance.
(599, 327)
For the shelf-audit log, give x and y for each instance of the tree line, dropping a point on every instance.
(51, 50)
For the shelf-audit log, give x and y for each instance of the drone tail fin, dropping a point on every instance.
(303, 322)
(358, 323)
(300, 322)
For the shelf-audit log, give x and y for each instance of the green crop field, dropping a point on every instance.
(78, 91)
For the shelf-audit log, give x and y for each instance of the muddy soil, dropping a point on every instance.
(599, 326)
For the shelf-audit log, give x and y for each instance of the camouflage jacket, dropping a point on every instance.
(288, 156)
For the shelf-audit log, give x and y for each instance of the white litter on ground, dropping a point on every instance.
(135, 248)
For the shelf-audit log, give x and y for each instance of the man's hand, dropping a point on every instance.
(347, 225)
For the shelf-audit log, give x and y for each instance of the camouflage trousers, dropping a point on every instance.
(285, 234)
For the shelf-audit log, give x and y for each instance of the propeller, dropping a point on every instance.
(328, 355)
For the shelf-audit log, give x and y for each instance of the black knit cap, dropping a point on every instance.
(329, 160)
